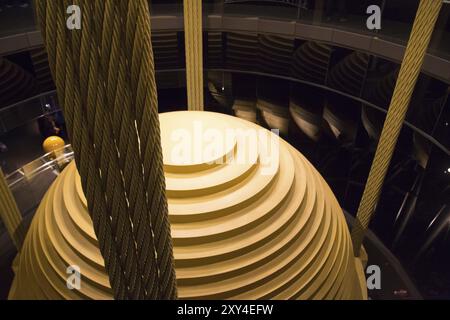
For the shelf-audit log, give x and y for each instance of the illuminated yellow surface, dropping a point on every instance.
(53, 143)
(238, 232)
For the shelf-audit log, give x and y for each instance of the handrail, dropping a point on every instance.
(390, 257)
(347, 95)
(67, 152)
(417, 130)
(47, 93)
(33, 107)
(293, 3)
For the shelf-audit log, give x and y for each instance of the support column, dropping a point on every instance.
(194, 53)
(421, 32)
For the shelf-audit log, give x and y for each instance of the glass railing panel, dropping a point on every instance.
(168, 50)
(212, 7)
(397, 20)
(359, 151)
(241, 51)
(347, 71)
(396, 284)
(427, 104)
(30, 182)
(273, 96)
(401, 177)
(426, 110)
(380, 82)
(439, 44)
(349, 15)
(29, 192)
(16, 16)
(429, 258)
(28, 110)
(33, 168)
(23, 145)
(20, 114)
(413, 212)
(277, 9)
(166, 7)
(213, 49)
(310, 61)
(243, 94)
(442, 129)
(275, 54)
(172, 94)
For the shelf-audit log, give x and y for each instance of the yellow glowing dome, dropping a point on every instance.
(53, 143)
(243, 227)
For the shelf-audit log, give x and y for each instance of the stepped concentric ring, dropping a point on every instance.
(239, 231)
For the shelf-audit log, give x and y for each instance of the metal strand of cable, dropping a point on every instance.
(105, 79)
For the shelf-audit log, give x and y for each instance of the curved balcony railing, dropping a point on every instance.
(16, 16)
(30, 182)
(49, 161)
(397, 16)
(25, 111)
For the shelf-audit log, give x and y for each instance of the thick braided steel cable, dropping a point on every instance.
(120, 227)
(92, 100)
(128, 146)
(166, 258)
(49, 13)
(421, 32)
(83, 163)
(145, 117)
(125, 156)
(104, 140)
(138, 210)
(10, 214)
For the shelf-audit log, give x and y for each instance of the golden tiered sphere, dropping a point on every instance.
(241, 229)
